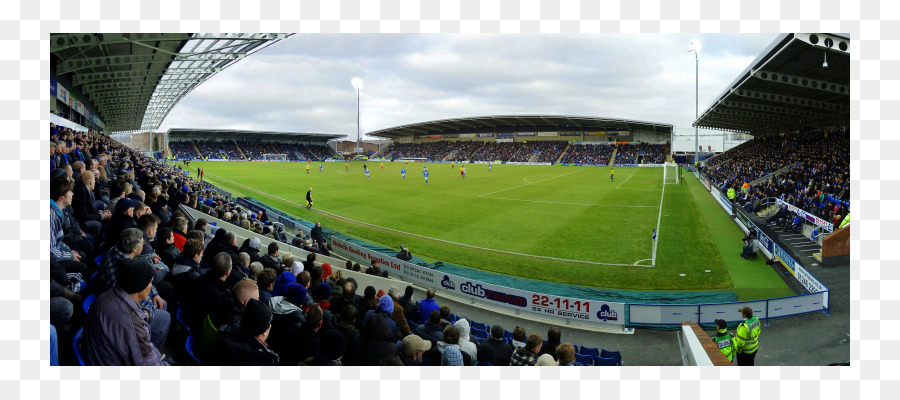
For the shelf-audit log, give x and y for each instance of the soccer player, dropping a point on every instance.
(346, 167)
(610, 174)
(403, 173)
(307, 169)
(489, 167)
(321, 168)
(462, 173)
(309, 200)
(426, 175)
(367, 173)
(382, 167)
(452, 164)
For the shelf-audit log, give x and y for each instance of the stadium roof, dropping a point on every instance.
(519, 123)
(787, 87)
(181, 133)
(134, 79)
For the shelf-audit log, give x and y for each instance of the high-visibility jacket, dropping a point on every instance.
(747, 338)
(725, 341)
(846, 221)
(731, 193)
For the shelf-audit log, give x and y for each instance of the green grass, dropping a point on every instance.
(566, 213)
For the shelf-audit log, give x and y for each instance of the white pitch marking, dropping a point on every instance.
(574, 204)
(626, 180)
(424, 237)
(531, 183)
(658, 220)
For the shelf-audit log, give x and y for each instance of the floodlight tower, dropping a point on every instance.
(357, 83)
(695, 48)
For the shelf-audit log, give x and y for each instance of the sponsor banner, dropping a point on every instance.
(52, 87)
(506, 140)
(526, 163)
(807, 216)
(451, 135)
(273, 216)
(764, 241)
(466, 135)
(435, 136)
(505, 134)
(594, 133)
(705, 183)
(485, 135)
(808, 281)
(62, 94)
(612, 133)
(548, 133)
(526, 134)
(651, 165)
(79, 106)
(723, 200)
(570, 134)
(420, 136)
(563, 309)
(785, 259)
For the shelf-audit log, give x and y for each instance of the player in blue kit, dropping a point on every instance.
(426, 175)
(403, 173)
(489, 167)
(367, 173)
(321, 168)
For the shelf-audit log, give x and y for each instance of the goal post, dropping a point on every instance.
(275, 157)
(670, 174)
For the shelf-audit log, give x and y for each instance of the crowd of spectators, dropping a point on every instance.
(817, 182)
(119, 236)
(546, 150)
(588, 154)
(464, 150)
(252, 150)
(653, 153)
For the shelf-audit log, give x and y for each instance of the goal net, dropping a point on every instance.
(670, 174)
(275, 157)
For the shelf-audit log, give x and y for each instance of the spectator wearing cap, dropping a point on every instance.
(404, 253)
(553, 337)
(527, 355)
(247, 345)
(331, 349)
(287, 321)
(412, 350)
(116, 331)
(427, 305)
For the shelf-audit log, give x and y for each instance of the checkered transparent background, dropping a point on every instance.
(24, 97)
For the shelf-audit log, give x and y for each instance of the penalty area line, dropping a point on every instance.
(425, 237)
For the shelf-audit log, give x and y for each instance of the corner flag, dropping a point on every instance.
(654, 234)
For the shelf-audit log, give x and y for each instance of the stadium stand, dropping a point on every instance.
(588, 154)
(222, 305)
(653, 153)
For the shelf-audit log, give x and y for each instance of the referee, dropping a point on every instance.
(309, 199)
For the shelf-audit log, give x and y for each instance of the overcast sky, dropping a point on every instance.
(303, 83)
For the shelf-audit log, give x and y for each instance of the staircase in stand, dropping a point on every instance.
(241, 152)
(612, 158)
(566, 150)
(194, 145)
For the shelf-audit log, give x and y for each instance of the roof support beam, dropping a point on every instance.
(793, 112)
(792, 101)
(799, 81)
(83, 78)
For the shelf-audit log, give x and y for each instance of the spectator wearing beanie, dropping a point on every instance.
(385, 308)
(281, 283)
(287, 321)
(331, 348)
(501, 350)
(116, 331)
(247, 345)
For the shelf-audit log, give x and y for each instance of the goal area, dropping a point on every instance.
(671, 174)
(274, 157)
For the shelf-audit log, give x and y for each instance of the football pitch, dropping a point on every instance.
(563, 224)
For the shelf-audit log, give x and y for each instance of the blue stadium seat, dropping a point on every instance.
(94, 281)
(453, 318)
(478, 325)
(179, 315)
(98, 260)
(589, 351)
(478, 333)
(483, 364)
(86, 303)
(612, 354)
(584, 359)
(189, 347)
(508, 335)
(603, 361)
(76, 345)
